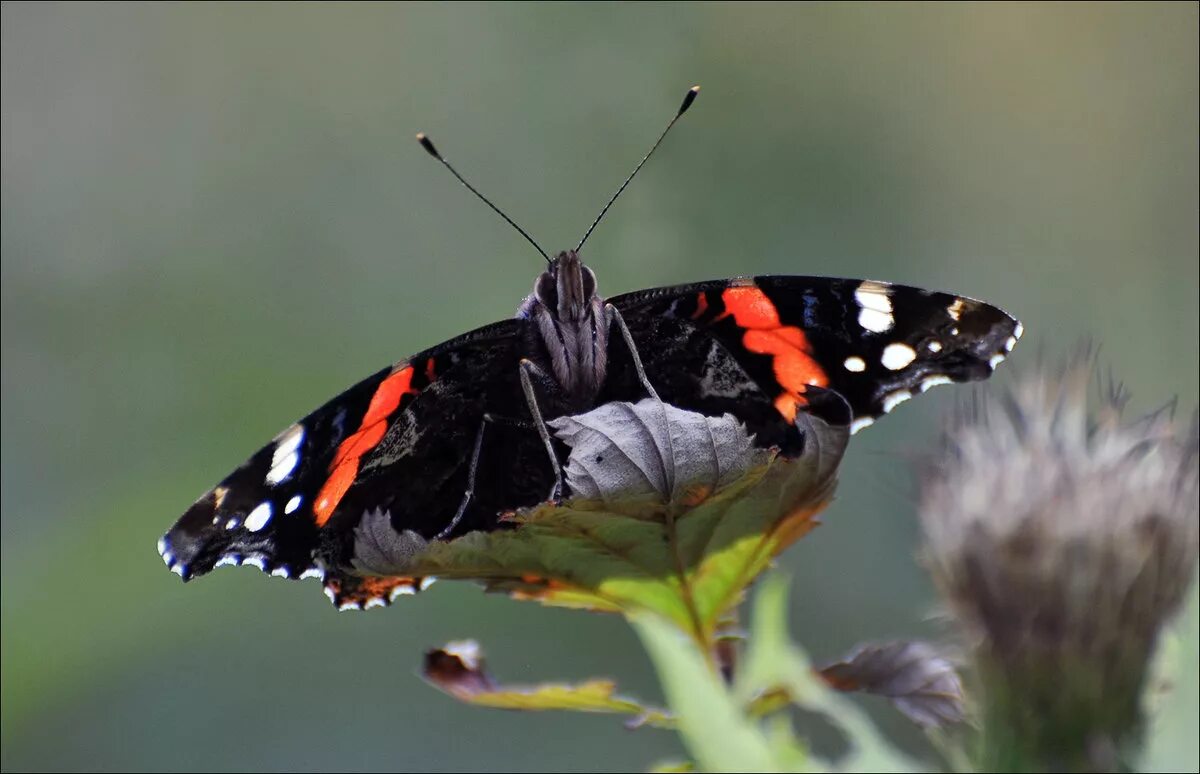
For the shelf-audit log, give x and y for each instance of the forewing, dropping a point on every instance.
(396, 444)
(757, 345)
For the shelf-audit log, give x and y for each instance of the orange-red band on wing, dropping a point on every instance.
(387, 396)
(344, 468)
(750, 308)
(360, 443)
(787, 405)
(792, 360)
(335, 488)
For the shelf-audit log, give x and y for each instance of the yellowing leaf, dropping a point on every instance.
(458, 669)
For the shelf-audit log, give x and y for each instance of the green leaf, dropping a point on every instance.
(458, 670)
(770, 663)
(687, 512)
(713, 727)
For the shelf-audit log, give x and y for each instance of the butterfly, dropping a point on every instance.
(446, 441)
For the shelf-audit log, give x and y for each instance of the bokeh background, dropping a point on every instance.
(215, 217)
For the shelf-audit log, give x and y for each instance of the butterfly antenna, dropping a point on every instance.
(427, 145)
(688, 99)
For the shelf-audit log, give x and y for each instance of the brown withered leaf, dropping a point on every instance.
(918, 680)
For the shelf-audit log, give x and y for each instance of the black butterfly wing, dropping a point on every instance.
(395, 448)
(385, 466)
(754, 346)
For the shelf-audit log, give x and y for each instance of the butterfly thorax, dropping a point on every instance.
(568, 317)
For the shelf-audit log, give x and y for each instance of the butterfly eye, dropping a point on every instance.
(589, 283)
(546, 290)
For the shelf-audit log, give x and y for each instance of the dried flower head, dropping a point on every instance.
(1062, 537)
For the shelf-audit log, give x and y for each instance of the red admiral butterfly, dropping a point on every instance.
(450, 438)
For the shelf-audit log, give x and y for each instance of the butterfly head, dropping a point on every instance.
(567, 288)
(569, 318)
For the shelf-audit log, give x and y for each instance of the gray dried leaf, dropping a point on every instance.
(921, 682)
(629, 451)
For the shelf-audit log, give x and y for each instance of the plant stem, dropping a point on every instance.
(699, 632)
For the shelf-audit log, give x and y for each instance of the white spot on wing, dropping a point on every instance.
(427, 582)
(930, 382)
(255, 561)
(402, 590)
(177, 569)
(935, 346)
(855, 364)
(283, 468)
(228, 560)
(292, 504)
(232, 523)
(955, 309)
(897, 356)
(290, 440)
(875, 306)
(313, 572)
(286, 455)
(860, 423)
(995, 361)
(281, 572)
(258, 517)
(1012, 340)
(374, 602)
(895, 399)
(162, 546)
(875, 321)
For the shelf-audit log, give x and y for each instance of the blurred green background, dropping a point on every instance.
(215, 217)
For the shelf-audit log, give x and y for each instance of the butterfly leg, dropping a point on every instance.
(470, 492)
(614, 316)
(530, 370)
